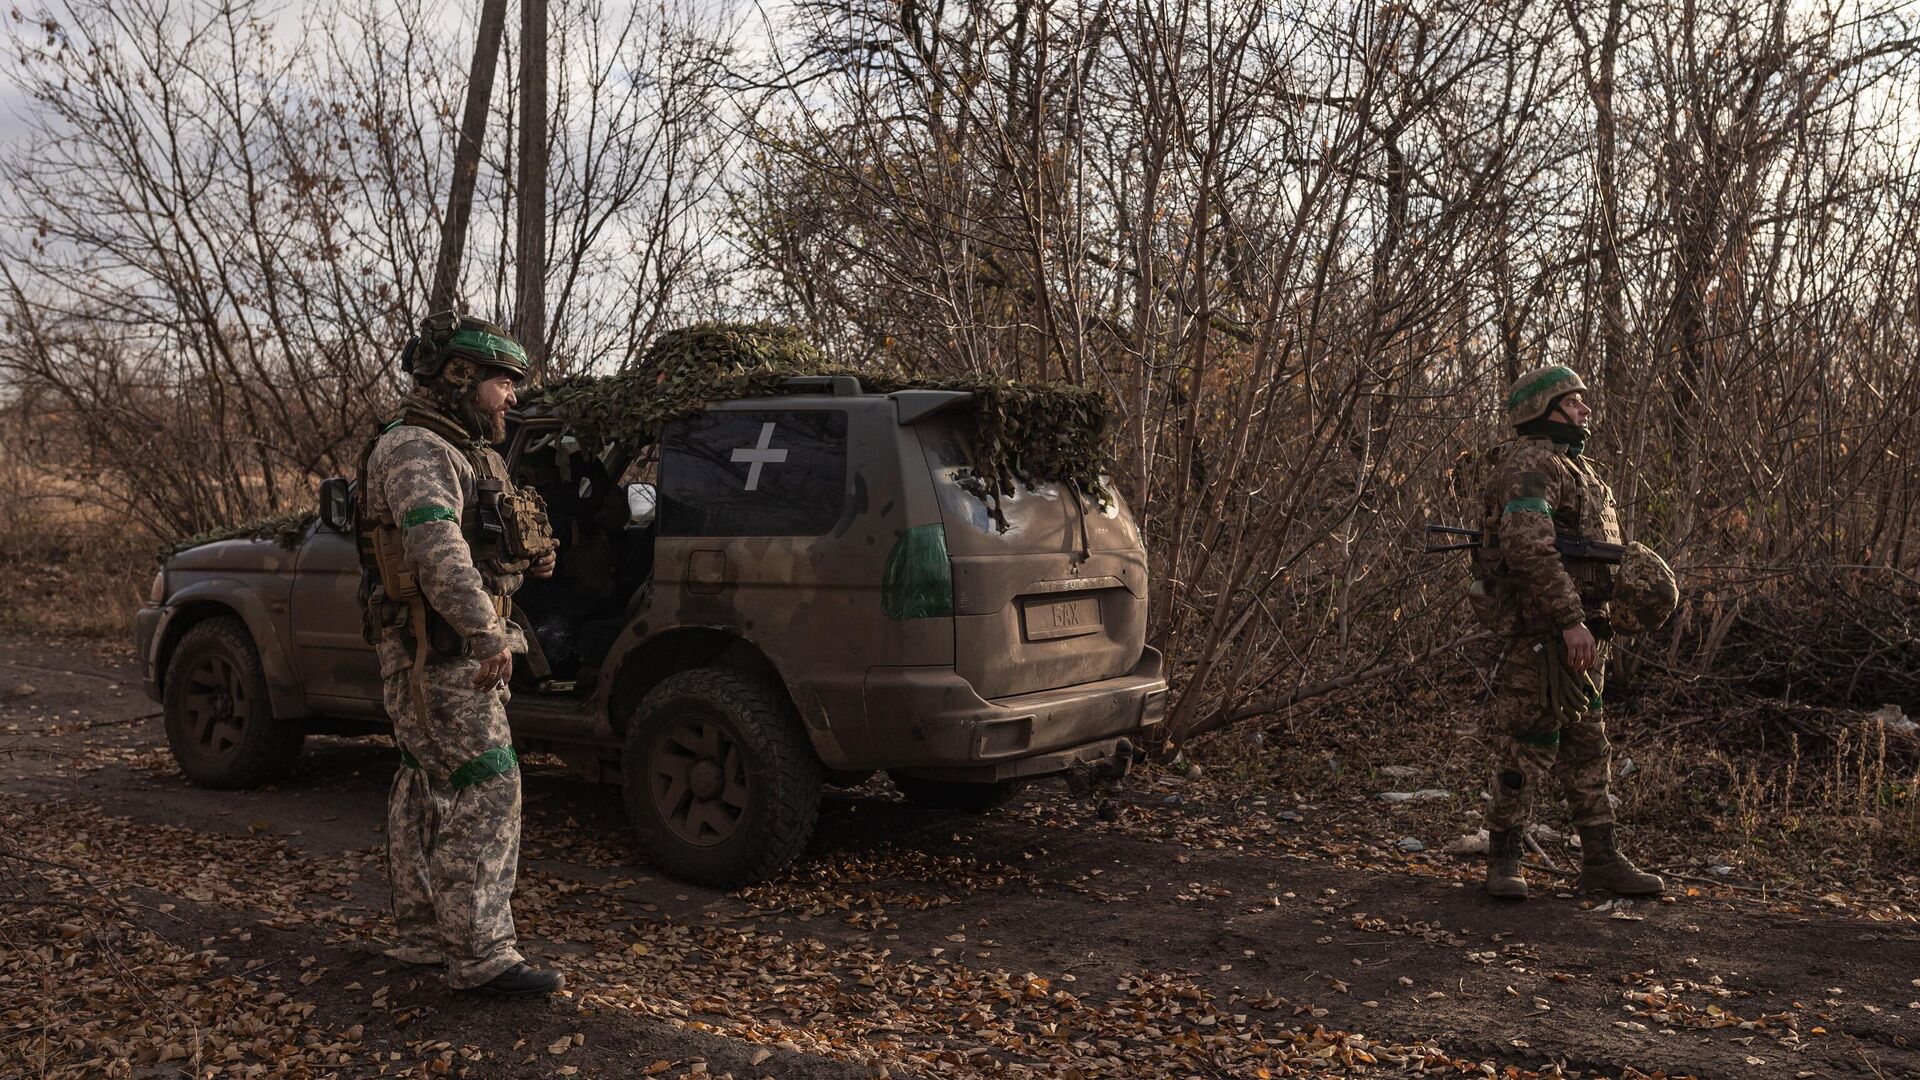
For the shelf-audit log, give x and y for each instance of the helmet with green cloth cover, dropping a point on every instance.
(1645, 591)
(1533, 394)
(445, 336)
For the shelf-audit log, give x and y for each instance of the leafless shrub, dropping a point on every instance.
(226, 226)
(1305, 249)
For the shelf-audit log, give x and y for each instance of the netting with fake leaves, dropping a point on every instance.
(1022, 433)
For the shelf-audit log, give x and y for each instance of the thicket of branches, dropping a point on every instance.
(222, 225)
(1302, 249)
(1305, 249)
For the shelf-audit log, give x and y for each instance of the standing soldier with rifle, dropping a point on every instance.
(1544, 578)
(445, 538)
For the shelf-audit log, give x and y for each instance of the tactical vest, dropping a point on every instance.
(506, 529)
(1593, 518)
(1587, 512)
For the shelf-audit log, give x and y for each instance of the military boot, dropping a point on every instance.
(1503, 864)
(1603, 867)
(521, 980)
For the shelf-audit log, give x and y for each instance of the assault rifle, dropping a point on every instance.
(1569, 545)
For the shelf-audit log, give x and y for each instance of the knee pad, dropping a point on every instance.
(1513, 780)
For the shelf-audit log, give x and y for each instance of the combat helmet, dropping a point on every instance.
(1644, 591)
(448, 336)
(1534, 393)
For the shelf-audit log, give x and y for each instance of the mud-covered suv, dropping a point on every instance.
(777, 593)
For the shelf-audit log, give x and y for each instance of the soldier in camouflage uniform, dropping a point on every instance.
(453, 816)
(1547, 717)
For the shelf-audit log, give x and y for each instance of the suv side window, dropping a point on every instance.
(772, 473)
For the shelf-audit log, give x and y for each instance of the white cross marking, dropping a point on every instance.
(760, 455)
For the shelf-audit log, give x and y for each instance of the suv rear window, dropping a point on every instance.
(754, 473)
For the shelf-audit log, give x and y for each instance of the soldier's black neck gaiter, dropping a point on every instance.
(1568, 435)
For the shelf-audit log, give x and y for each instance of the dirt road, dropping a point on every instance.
(148, 928)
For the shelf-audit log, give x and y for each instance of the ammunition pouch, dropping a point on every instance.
(1592, 577)
(443, 640)
(397, 579)
(386, 582)
(526, 533)
(510, 525)
(379, 615)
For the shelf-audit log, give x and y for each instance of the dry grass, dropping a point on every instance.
(74, 569)
(1840, 810)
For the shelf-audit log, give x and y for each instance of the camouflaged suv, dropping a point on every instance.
(779, 593)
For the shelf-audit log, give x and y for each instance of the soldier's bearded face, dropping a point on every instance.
(492, 397)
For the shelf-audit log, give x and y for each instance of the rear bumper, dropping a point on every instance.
(147, 623)
(939, 728)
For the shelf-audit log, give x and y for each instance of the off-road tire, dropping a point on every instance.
(953, 795)
(219, 720)
(779, 777)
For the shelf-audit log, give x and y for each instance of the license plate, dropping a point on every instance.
(1050, 619)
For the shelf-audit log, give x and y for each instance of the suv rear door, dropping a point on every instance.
(1056, 597)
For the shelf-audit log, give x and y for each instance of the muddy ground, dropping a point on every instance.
(149, 928)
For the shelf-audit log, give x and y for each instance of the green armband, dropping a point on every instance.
(420, 515)
(1530, 506)
(491, 763)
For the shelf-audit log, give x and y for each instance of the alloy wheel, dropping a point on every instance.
(698, 775)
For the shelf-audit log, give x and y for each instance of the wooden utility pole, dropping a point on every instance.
(530, 258)
(466, 155)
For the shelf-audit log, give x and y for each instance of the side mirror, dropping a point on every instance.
(642, 501)
(336, 504)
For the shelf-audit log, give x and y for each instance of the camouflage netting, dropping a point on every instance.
(1027, 433)
(1023, 433)
(283, 529)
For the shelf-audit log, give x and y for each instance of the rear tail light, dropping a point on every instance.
(919, 576)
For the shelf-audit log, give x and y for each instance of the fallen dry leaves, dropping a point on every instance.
(745, 970)
(108, 993)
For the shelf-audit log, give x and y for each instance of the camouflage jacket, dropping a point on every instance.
(1531, 490)
(421, 482)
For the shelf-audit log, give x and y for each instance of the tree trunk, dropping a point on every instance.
(530, 260)
(1613, 308)
(466, 155)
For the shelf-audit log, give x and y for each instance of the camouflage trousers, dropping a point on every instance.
(1529, 745)
(453, 819)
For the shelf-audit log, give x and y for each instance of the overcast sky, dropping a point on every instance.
(458, 17)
